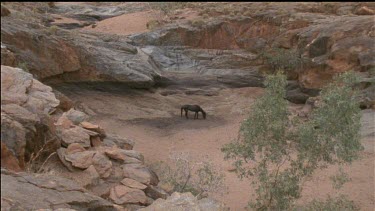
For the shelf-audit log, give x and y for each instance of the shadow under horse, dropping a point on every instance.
(195, 108)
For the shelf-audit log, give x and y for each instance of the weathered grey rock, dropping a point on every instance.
(74, 148)
(95, 141)
(76, 116)
(81, 160)
(102, 165)
(140, 173)
(122, 143)
(88, 178)
(30, 192)
(133, 184)
(95, 128)
(74, 135)
(185, 201)
(61, 154)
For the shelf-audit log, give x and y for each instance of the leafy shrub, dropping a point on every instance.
(197, 22)
(152, 24)
(52, 30)
(267, 139)
(186, 175)
(23, 66)
(288, 60)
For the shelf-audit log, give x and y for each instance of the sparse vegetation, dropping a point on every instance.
(332, 204)
(186, 175)
(52, 30)
(197, 22)
(285, 157)
(23, 66)
(153, 24)
(285, 59)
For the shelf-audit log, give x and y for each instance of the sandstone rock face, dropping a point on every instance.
(125, 195)
(122, 143)
(25, 120)
(74, 148)
(76, 116)
(185, 201)
(64, 56)
(140, 173)
(4, 11)
(133, 184)
(7, 57)
(126, 156)
(8, 160)
(81, 159)
(102, 164)
(95, 128)
(364, 11)
(28, 192)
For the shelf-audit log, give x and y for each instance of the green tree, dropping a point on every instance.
(284, 153)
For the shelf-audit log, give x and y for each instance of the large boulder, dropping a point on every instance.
(121, 194)
(74, 135)
(26, 104)
(112, 140)
(185, 201)
(61, 55)
(81, 160)
(31, 192)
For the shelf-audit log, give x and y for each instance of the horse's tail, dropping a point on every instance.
(181, 110)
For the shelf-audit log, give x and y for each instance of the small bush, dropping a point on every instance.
(152, 24)
(197, 22)
(186, 175)
(23, 66)
(288, 60)
(52, 30)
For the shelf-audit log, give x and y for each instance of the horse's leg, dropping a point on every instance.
(186, 114)
(181, 111)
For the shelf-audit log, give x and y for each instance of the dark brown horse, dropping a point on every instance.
(195, 108)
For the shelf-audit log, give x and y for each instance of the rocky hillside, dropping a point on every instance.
(68, 161)
(223, 45)
(49, 147)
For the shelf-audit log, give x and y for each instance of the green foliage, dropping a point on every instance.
(279, 58)
(23, 66)
(186, 175)
(152, 24)
(330, 136)
(331, 204)
(52, 30)
(197, 22)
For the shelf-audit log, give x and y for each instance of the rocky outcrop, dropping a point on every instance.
(63, 56)
(24, 191)
(185, 201)
(26, 105)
